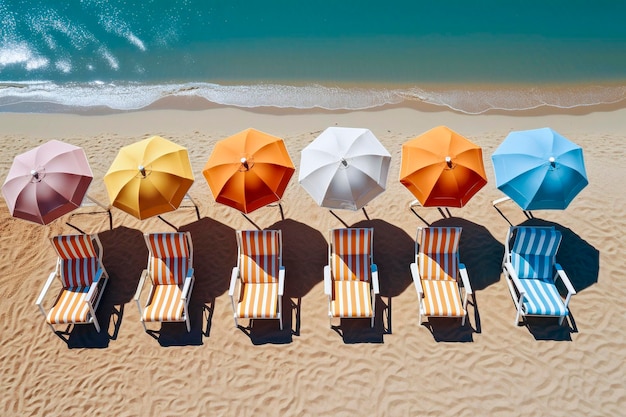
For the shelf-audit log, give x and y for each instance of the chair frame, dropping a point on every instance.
(328, 276)
(515, 286)
(99, 283)
(235, 278)
(465, 290)
(187, 286)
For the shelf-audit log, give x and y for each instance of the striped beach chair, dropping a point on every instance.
(437, 274)
(351, 277)
(261, 275)
(83, 279)
(531, 270)
(170, 272)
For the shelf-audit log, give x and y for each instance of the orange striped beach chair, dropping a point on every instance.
(170, 272)
(351, 277)
(261, 276)
(436, 272)
(83, 277)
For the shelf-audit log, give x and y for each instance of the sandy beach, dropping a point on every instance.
(401, 368)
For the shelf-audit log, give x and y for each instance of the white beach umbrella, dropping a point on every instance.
(344, 168)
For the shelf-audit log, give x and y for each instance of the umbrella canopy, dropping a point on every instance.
(539, 169)
(248, 170)
(442, 168)
(344, 168)
(47, 182)
(149, 177)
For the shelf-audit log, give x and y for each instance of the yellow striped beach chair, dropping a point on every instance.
(170, 272)
(531, 270)
(83, 279)
(436, 272)
(351, 277)
(261, 276)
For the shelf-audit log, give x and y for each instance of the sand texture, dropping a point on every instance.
(400, 368)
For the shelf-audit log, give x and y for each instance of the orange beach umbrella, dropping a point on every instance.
(149, 177)
(248, 170)
(442, 168)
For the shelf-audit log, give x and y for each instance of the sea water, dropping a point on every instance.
(469, 56)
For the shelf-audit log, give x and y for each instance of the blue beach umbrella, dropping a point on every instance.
(539, 169)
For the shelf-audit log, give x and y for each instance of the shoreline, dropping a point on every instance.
(472, 99)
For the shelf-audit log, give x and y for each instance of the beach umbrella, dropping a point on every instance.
(344, 168)
(539, 169)
(442, 168)
(149, 177)
(248, 170)
(47, 182)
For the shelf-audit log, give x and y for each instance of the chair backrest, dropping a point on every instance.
(533, 254)
(351, 254)
(437, 252)
(260, 255)
(170, 257)
(78, 259)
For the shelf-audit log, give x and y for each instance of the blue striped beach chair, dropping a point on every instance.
(531, 270)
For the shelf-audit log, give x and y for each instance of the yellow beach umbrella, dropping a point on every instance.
(149, 177)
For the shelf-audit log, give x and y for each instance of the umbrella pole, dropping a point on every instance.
(365, 213)
(168, 223)
(280, 207)
(338, 218)
(194, 204)
(250, 220)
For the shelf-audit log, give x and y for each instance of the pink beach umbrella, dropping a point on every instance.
(47, 182)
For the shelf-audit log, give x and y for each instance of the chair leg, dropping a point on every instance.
(463, 320)
(517, 316)
(561, 320)
(280, 319)
(188, 324)
(95, 323)
(236, 324)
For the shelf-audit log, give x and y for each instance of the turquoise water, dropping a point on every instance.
(468, 56)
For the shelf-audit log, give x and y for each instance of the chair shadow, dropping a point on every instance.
(267, 331)
(548, 328)
(479, 250)
(445, 329)
(359, 330)
(579, 259)
(124, 255)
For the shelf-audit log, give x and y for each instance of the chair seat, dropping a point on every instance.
(351, 299)
(542, 298)
(166, 304)
(70, 307)
(259, 301)
(442, 298)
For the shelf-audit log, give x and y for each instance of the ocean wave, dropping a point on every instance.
(42, 96)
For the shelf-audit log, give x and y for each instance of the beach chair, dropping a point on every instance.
(261, 276)
(436, 272)
(83, 278)
(170, 272)
(531, 270)
(351, 277)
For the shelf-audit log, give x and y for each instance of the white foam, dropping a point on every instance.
(132, 96)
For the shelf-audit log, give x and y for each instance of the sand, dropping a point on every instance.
(401, 368)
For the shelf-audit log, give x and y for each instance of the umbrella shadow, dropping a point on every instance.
(214, 256)
(579, 259)
(124, 255)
